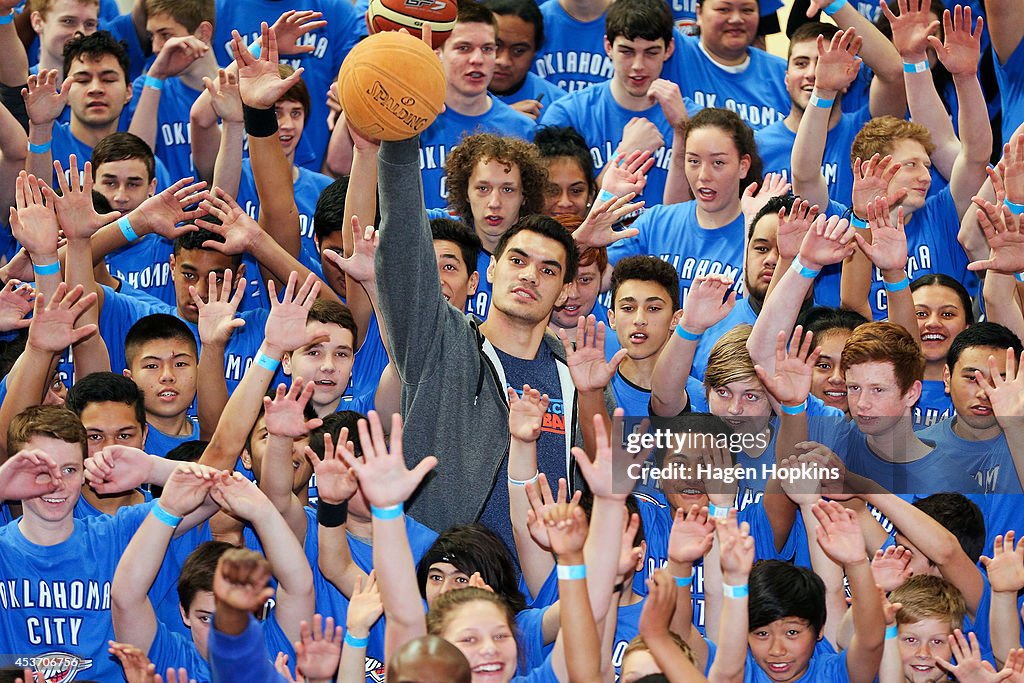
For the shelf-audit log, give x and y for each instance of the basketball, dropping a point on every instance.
(391, 86)
(392, 15)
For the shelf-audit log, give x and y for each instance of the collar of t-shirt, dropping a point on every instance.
(737, 69)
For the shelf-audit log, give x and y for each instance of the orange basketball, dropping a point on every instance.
(391, 86)
(392, 15)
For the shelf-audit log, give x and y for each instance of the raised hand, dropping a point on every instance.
(136, 665)
(793, 227)
(692, 535)
(42, 101)
(217, 321)
(33, 222)
(1004, 393)
(318, 651)
(1010, 175)
(872, 180)
(162, 212)
(53, 325)
(640, 133)
(285, 413)
(888, 246)
(567, 528)
(1005, 238)
(539, 501)
(359, 266)
(625, 174)
(286, 325)
(597, 229)
(839, 533)
(910, 30)
(794, 368)
(660, 605)
(666, 93)
(710, 299)
(586, 361)
(383, 477)
(365, 606)
(259, 81)
(187, 487)
(891, 567)
(176, 55)
(1006, 566)
(961, 52)
(224, 97)
(606, 472)
(28, 474)
(238, 228)
(75, 211)
(293, 25)
(335, 482)
(970, 667)
(526, 414)
(116, 469)
(838, 64)
(736, 549)
(240, 497)
(174, 676)
(756, 196)
(15, 303)
(827, 242)
(241, 580)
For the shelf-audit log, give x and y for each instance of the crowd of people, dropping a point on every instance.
(655, 357)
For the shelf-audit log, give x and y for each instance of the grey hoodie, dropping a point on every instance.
(453, 385)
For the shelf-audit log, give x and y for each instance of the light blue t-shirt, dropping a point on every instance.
(1010, 77)
(533, 87)
(145, 265)
(173, 135)
(934, 406)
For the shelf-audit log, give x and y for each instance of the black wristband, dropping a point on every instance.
(259, 123)
(331, 515)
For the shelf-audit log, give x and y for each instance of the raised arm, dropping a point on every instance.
(691, 537)
(134, 618)
(360, 204)
(243, 499)
(176, 55)
(387, 484)
(13, 151)
(217, 322)
(1007, 30)
(837, 68)
(888, 252)
(736, 557)
(212, 143)
(710, 300)
(43, 104)
(1004, 388)
(1005, 577)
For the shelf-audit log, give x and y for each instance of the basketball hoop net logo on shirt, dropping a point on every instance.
(58, 667)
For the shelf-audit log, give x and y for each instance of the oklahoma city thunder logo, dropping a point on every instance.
(59, 667)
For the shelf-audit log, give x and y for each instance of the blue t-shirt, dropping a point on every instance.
(54, 603)
(934, 406)
(627, 627)
(158, 443)
(331, 45)
(541, 373)
(596, 115)
(573, 56)
(479, 304)
(533, 87)
(171, 650)
(826, 666)
(989, 461)
(1010, 77)
(630, 397)
(758, 93)
(307, 191)
(173, 135)
(370, 361)
(447, 131)
(741, 314)
(673, 234)
(685, 11)
(145, 265)
(775, 145)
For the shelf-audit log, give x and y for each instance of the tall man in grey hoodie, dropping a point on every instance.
(456, 372)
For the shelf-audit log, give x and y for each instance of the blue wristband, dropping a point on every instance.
(164, 516)
(1019, 277)
(7, 18)
(1015, 209)
(686, 334)
(683, 581)
(794, 410)
(255, 49)
(605, 195)
(572, 572)
(126, 229)
(47, 268)
(153, 82)
(352, 641)
(804, 271)
(897, 286)
(915, 67)
(858, 222)
(40, 149)
(821, 102)
(891, 632)
(734, 592)
(835, 7)
(389, 512)
(719, 512)
(266, 362)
